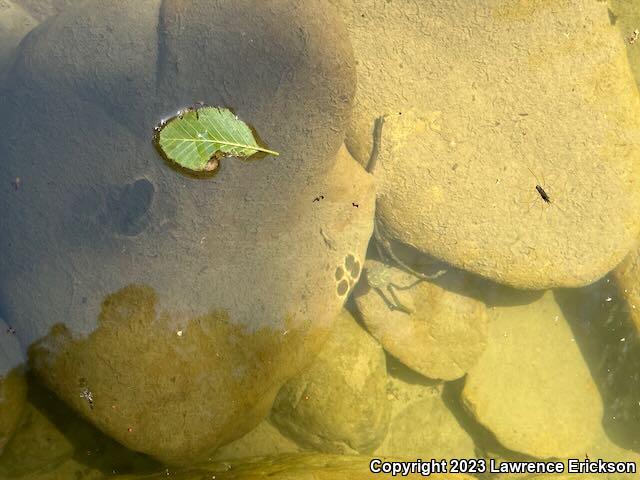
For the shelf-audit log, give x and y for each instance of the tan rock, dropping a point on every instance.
(338, 405)
(531, 388)
(625, 16)
(422, 425)
(484, 101)
(442, 337)
(264, 440)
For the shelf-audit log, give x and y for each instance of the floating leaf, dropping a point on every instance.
(198, 137)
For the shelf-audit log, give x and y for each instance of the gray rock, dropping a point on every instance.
(441, 336)
(15, 23)
(114, 263)
(338, 405)
(105, 57)
(43, 9)
(484, 102)
(295, 82)
(531, 388)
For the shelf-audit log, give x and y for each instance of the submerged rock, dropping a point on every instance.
(262, 441)
(624, 14)
(338, 405)
(43, 9)
(422, 425)
(13, 387)
(309, 466)
(169, 309)
(484, 101)
(53, 443)
(531, 388)
(15, 23)
(440, 335)
(225, 371)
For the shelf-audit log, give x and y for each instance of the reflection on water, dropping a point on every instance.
(473, 297)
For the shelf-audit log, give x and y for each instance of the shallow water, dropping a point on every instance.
(440, 264)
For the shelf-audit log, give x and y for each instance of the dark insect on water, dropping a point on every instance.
(543, 194)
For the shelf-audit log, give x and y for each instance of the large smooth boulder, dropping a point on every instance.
(338, 405)
(532, 388)
(178, 304)
(485, 101)
(15, 23)
(441, 334)
(43, 9)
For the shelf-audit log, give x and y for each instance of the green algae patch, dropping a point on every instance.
(197, 138)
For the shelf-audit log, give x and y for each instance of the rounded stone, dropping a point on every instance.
(441, 336)
(484, 103)
(15, 23)
(338, 405)
(262, 441)
(422, 422)
(43, 9)
(531, 388)
(131, 262)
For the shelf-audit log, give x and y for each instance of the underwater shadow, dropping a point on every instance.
(607, 339)
(92, 448)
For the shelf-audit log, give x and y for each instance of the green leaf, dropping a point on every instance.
(198, 137)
